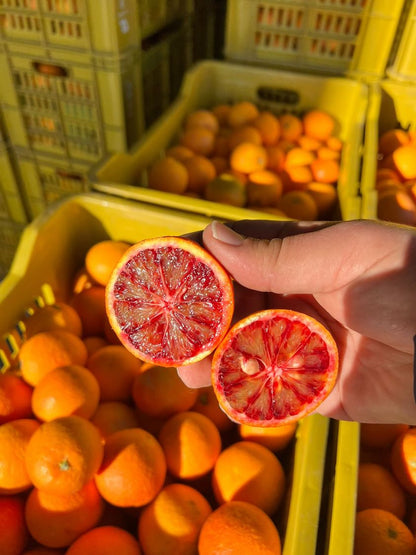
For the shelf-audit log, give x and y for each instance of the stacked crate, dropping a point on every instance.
(71, 89)
(81, 79)
(13, 215)
(392, 104)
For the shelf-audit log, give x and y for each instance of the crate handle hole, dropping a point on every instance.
(69, 175)
(51, 70)
(278, 95)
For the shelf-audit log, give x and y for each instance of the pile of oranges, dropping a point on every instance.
(396, 176)
(386, 500)
(241, 155)
(101, 453)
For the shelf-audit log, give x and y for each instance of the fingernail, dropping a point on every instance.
(226, 235)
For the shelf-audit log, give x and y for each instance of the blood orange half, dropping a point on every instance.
(274, 367)
(169, 301)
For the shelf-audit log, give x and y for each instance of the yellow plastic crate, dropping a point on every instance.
(351, 37)
(391, 104)
(403, 67)
(10, 233)
(212, 82)
(45, 179)
(107, 26)
(11, 201)
(51, 250)
(342, 477)
(91, 106)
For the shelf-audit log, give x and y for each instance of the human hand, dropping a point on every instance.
(358, 278)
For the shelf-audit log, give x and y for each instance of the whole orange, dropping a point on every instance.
(242, 113)
(198, 139)
(159, 392)
(318, 124)
(203, 118)
(105, 540)
(48, 350)
(90, 305)
(268, 126)
(64, 454)
(291, 127)
(239, 527)
(403, 459)
(248, 157)
(112, 416)
(14, 440)
(55, 316)
(15, 398)
(93, 343)
(102, 258)
(248, 471)
(191, 443)
(404, 158)
(13, 531)
(57, 520)
(200, 172)
(64, 391)
(207, 404)
(379, 531)
(275, 438)
(133, 470)
(168, 174)
(172, 521)
(115, 369)
(378, 489)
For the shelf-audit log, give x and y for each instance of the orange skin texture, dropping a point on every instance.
(63, 455)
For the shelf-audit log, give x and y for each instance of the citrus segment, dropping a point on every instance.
(274, 367)
(169, 301)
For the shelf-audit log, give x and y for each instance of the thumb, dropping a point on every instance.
(311, 262)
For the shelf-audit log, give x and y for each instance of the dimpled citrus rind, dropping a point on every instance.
(169, 301)
(274, 367)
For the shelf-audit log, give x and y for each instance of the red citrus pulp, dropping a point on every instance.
(169, 301)
(274, 367)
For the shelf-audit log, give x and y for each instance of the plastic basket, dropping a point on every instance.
(46, 179)
(50, 252)
(403, 67)
(342, 477)
(211, 82)
(337, 36)
(86, 108)
(392, 104)
(107, 26)
(11, 202)
(10, 233)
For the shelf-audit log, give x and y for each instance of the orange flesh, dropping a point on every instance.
(274, 371)
(170, 306)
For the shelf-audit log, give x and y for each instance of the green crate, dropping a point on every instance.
(403, 67)
(51, 251)
(91, 107)
(392, 104)
(334, 36)
(210, 82)
(45, 179)
(106, 26)
(11, 202)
